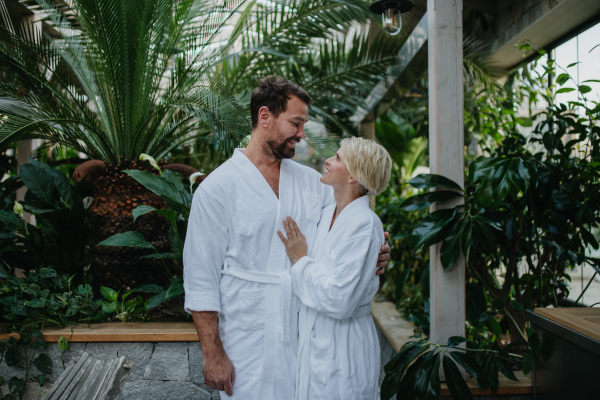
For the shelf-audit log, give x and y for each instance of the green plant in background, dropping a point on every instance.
(134, 310)
(22, 352)
(39, 299)
(59, 237)
(527, 218)
(169, 186)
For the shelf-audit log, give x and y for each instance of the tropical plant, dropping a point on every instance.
(60, 235)
(169, 186)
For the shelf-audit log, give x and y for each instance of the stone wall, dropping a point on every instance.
(515, 15)
(161, 371)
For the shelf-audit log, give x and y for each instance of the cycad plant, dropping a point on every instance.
(125, 78)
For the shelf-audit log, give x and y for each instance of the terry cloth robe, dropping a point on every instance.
(338, 355)
(235, 264)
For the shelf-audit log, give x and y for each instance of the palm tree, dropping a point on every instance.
(127, 78)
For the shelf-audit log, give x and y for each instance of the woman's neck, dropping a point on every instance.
(342, 199)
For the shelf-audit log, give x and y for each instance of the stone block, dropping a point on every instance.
(195, 361)
(139, 353)
(169, 362)
(163, 390)
(33, 391)
(52, 350)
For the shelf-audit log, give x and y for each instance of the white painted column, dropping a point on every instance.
(366, 129)
(446, 155)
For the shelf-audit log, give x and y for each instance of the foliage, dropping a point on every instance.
(133, 310)
(123, 78)
(169, 186)
(414, 373)
(23, 351)
(30, 303)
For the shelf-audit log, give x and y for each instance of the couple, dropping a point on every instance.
(287, 316)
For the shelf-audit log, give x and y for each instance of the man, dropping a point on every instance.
(236, 276)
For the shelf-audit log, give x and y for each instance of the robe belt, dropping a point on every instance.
(283, 278)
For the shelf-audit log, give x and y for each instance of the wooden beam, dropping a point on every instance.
(486, 6)
(446, 155)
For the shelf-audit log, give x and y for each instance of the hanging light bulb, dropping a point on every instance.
(391, 13)
(392, 21)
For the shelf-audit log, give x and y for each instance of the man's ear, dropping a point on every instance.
(264, 116)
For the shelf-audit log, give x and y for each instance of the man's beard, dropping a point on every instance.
(279, 150)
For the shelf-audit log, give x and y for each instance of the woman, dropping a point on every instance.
(338, 350)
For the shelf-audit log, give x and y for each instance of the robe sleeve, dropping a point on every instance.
(335, 286)
(204, 253)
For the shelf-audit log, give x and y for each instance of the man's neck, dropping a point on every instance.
(264, 162)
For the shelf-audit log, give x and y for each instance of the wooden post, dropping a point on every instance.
(366, 129)
(446, 155)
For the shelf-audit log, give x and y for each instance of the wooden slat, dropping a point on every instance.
(583, 320)
(396, 329)
(507, 387)
(124, 332)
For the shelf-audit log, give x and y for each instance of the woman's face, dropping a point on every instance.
(336, 173)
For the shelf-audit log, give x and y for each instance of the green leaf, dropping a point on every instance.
(494, 327)
(450, 251)
(591, 80)
(564, 90)
(12, 220)
(108, 293)
(46, 273)
(141, 210)
(506, 370)
(175, 179)
(572, 64)
(525, 121)
(562, 79)
(41, 379)
(3, 272)
(176, 288)
(72, 310)
(109, 308)
(84, 290)
(518, 307)
(430, 230)
(63, 343)
(127, 239)
(426, 181)
(455, 381)
(535, 343)
(526, 363)
(454, 341)
(156, 300)
(162, 255)
(434, 389)
(471, 365)
(148, 288)
(36, 303)
(43, 363)
(15, 384)
(171, 215)
(39, 179)
(160, 186)
(12, 354)
(493, 374)
(423, 379)
(583, 89)
(424, 200)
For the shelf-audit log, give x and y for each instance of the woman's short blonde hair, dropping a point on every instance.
(367, 162)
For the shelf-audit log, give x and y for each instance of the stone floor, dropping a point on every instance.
(161, 371)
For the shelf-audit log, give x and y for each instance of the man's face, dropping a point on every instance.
(287, 130)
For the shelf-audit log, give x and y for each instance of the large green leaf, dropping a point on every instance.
(424, 200)
(472, 367)
(426, 181)
(39, 178)
(431, 229)
(396, 367)
(455, 380)
(43, 363)
(160, 186)
(127, 239)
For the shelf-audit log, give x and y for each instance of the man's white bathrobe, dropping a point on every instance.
(338, 355)
(235, 264)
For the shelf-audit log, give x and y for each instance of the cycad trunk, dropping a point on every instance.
(116, 195)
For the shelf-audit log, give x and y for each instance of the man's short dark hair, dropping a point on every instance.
(274, 93)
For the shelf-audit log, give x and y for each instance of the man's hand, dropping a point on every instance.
(218, 369)
(219, 372)
(384, 256)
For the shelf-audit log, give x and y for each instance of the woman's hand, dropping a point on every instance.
(295, 244)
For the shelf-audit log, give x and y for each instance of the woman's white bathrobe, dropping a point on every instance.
(338, 353)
